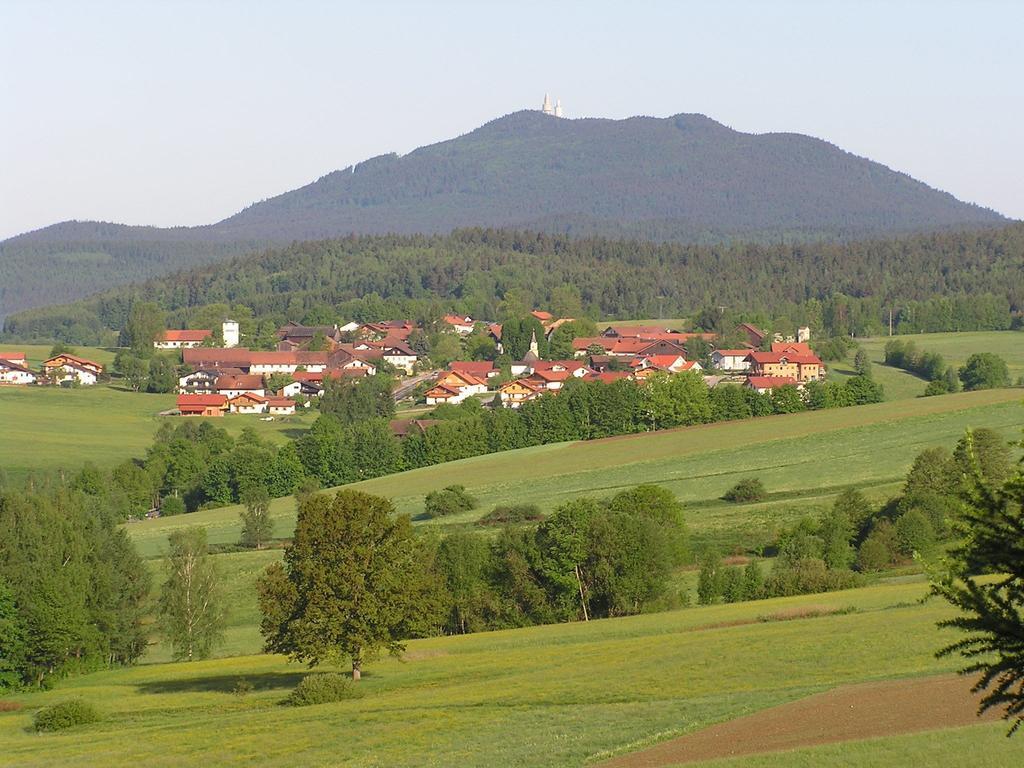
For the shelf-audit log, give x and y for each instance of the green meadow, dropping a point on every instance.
(954, 347)
(804, 460)
(561, 695)
(52, 428)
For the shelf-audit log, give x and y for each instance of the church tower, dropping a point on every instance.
(558, 108)
(547, 109)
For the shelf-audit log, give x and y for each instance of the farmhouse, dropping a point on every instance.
(454, 387)
(181, 339)
(202, 405)
(232, 386)
(800, 366)
(755, 336)
(215, 358)
(515, 393)
(483, 369)
(461, 324)
(14, 371)
(297, 335)
(730, 359)
(248, 402)
(67, 367)
(280, 406)
(762, 384)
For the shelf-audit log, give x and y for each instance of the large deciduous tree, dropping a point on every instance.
(349, 584)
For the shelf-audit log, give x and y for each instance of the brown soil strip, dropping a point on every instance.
(847, 713)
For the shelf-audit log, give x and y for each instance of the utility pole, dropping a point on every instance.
(890, 321)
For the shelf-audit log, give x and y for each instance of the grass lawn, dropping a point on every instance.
(559, 695)
(50, 428)
(804, 459)
(954, 347)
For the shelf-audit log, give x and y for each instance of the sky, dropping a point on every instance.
(183, 113)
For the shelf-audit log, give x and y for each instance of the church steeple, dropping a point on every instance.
(547, 109)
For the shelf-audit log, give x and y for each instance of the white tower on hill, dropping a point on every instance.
(548, 109)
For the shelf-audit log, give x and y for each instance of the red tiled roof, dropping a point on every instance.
(458, 319)
(609, 376)
(770, 382)
(795, 347)
(245, 381)
(77, 361)
(540, 314)
(732, 352)
(280, 402)
(249, 396)
(474, 367)
(13, 357)
(779, 357)
(199, 357)
(201, 401)
(185, 335)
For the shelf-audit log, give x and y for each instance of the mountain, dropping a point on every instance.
(685, 178)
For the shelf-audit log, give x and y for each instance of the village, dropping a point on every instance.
(219, 376)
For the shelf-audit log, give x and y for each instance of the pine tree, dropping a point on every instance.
(992, 609)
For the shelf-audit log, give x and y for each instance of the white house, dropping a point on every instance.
(184, 339)
(12, 372)
(247, 402)
(67, 367)
(454, 387)
(401, 356)
(280, 406)
(461, 324)
(731, 359)
(234, 386)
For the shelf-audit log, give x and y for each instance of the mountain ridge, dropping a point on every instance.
(685, 178)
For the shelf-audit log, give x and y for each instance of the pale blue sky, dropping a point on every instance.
(185, 112)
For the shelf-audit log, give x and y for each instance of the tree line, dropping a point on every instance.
(348, 444)
(947, 282)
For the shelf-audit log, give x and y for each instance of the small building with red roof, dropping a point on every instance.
(202, 405)
(181, 339)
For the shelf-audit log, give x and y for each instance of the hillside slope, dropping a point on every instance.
(683, 178)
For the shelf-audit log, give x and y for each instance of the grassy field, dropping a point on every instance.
(954, 347)
(804, 460)
(37, 353)
(545, 696)
(50, 428)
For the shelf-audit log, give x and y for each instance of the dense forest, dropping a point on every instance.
(685, 178)
(935, 282)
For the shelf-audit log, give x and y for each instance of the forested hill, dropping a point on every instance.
(681, 178)
(939, 281)
(685, 178)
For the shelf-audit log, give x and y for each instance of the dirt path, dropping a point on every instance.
(843, 714)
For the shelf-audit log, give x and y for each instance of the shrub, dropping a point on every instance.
(506, 514)
(172, 505)
(937, 387)
(321, 688)
(878, 550)
(65, 714)
(807, 576)
(914, 532)
(448, 501)
(746, 490)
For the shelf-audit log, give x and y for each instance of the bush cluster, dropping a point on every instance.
(447, 501)
(65, 714)
(510, 514)
(321, 688)
(745, 491)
